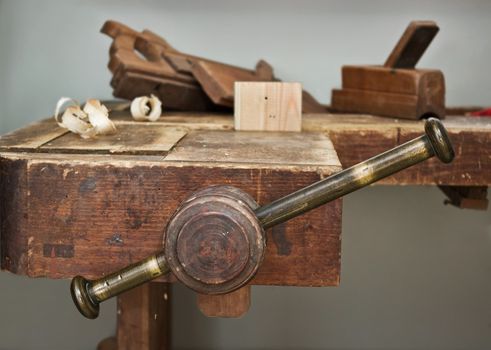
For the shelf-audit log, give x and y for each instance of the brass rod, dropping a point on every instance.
(344, 182)
(88, 294)
(434, 142)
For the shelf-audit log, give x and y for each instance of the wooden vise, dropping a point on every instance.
(395, 89)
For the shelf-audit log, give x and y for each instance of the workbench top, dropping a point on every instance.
(74, 206)
(355, 138)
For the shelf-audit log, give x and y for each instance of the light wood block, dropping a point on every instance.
(266, 106)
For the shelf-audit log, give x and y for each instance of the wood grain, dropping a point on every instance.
(32, 136)
(130, 138)
(429, 103)
(120, 210)
(355, 138)
(358, 137)
(235, 304)
(306, 151)
(144, 318)
(267, 106)
(398, 93)
(396, 81)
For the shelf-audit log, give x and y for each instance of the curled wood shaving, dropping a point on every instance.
(146, 108)
(99, 117)
(91, 121)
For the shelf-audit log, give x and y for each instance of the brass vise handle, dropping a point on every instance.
(211, 221)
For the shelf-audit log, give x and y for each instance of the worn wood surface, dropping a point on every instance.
(120, 204)
(234, 304)
(412, 44)
(268, 106)
(32, 136)
(135, 138)
(355, 138)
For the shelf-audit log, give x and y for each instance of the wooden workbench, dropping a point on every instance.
(51, 181)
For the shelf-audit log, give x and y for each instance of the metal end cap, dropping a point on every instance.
(439, 139)
(82, 299)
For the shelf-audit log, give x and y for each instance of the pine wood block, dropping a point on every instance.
(267, 106)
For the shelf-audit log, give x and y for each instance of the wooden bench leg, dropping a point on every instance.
(143, 319)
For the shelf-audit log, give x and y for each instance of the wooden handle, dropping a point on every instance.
(412, 44)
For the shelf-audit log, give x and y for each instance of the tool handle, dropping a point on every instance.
(412, 44)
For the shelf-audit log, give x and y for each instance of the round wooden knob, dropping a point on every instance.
(214, 242)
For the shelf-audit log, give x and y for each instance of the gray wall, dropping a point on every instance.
(415, 273)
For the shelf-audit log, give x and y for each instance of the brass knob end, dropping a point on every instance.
(439, 140)
(80, 295)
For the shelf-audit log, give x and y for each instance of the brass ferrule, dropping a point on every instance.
(87, 294)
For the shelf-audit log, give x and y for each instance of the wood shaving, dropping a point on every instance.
(146, 108)
(91, 121)
(99, 117)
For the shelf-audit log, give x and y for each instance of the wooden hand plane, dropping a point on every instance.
(395, 89)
